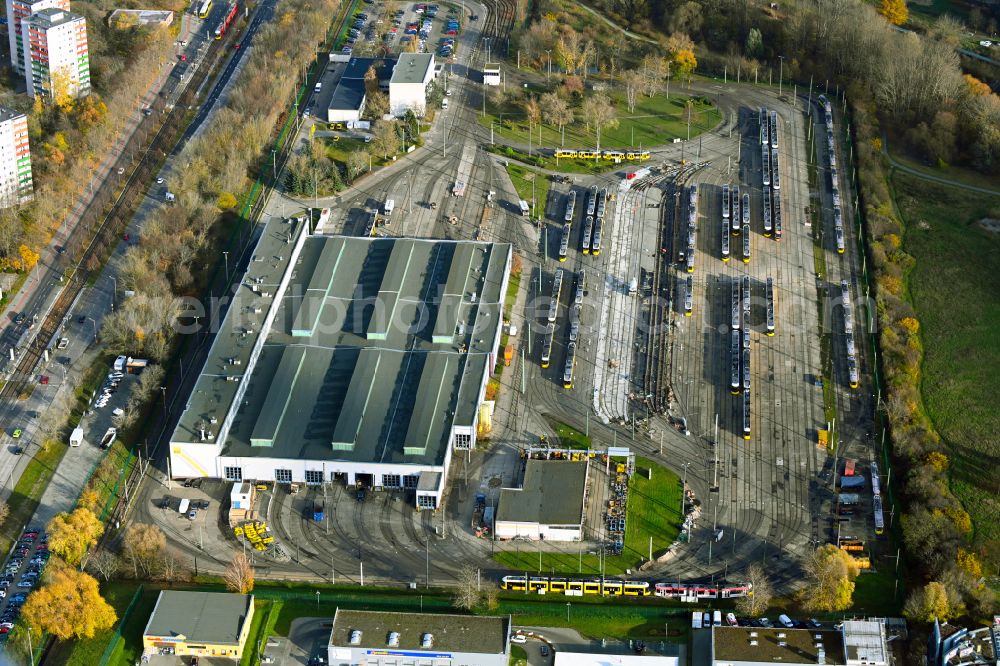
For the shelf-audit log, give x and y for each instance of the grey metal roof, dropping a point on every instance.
(201, 617)
(412, 67)
(8, 114)
(352, 367)
(349, 95)
(451, 633)
(552, 494)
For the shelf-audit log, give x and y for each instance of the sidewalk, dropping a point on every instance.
(60, 236)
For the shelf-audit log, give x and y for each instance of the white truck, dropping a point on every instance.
(109, 438)
(76, 437)
(388, 207)
(182, 508)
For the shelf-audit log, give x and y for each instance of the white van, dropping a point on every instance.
(444, 103)
(182, 508)
(717, 619)
(319, 86)
(786, 621)
(696, 620)
(389, 206)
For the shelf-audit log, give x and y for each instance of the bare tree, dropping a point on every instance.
(239, 575)
(755, 604)
(4, 512)
(557, 112)
(385, 138)
(171, 568)
(357, 162)
(467, 594)
(104, 564)
(534, 115)
(634, 82)
(142, 546)
(600, 113)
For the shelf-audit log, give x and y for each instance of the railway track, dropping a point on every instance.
(105, 237)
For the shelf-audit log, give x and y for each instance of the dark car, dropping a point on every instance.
(82, 319)
(544, 650)
(164, 503)
(201, 504)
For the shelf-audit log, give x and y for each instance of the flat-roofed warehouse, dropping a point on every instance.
(549, 504)
(212, 624)
(355, 360)
(745, 646)
(376, 638)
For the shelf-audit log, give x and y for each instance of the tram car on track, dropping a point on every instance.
(725, 240)
(626, 588)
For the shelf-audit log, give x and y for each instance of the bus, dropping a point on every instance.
(525, 208)
(547, 337)
(776, 213)
(688, 297)
(205, 9)
(570, 365)
(735, 215)
(725, 240)
(564, 241)
(725, 201)
(570, 207)
(226, 20)
(879, 517)
(746, 414)
(746, 369)
(746, 243)
(736, 305)
(775, 171)
(557, 281)
(734, 363)
(588, 230)
(769, 295)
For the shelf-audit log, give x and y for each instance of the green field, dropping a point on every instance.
(653, 511)
(655, 122)
(953, 287)
(522, 177)
(570, 437)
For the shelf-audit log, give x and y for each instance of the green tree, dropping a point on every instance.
(755, 43)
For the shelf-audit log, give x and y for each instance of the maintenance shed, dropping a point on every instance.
(549, 504)
(361, 361)
(376, 638)
(211, 624)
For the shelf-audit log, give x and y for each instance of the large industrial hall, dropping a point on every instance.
(352, 360)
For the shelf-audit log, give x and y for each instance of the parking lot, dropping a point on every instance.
(21, 573)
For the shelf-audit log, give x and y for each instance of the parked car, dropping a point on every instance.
(26, 584)
(519, 638)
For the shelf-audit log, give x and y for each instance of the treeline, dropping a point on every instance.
(171, 253)
(69, 138)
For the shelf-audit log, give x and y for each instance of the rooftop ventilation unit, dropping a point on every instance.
(427, 641)
(355, 637)
(393, 639)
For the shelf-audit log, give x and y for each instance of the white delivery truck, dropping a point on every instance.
(182, 508)
(390, 205)
(76, 437)
(696, 620)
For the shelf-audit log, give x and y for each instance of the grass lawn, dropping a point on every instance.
(518, 656)
(873, 593)
(656, 121)
(523, 177)
(569, 437)
(28, 490)
(257, 635)
(513, 285)
(653, 511)
(953, 288)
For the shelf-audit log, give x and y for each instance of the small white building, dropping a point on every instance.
(491, 74)
(408, 86)
(241, 496)
(549, 504)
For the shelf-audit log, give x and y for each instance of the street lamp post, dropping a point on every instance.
(317, 599)
(163, 389)
(548, 53)
(114, 292)
(225, 256)
(781, 71)
(94, 322)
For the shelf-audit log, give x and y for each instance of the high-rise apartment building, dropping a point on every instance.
(15, 158)
(17, 12)
(56, 53)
